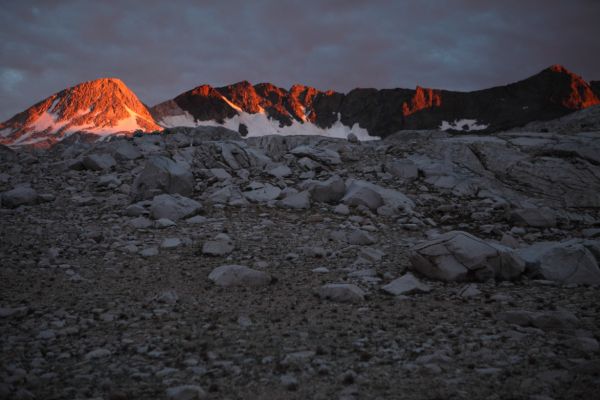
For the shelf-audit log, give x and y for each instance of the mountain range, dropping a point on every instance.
(107, 106)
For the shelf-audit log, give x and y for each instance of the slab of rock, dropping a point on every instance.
(19, 196)
(162, 175)
(359, 195)
(565, 262)
(98, 162)
(406, 284)
(326, 156)
(342, 293)
(534, 217)
(185, 392)
(220, 246)
(173, 207)
(238, 275)
(459, 256)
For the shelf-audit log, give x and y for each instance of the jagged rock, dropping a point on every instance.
(326, 156)
(330, 191)
(220, 174)
(238, 275)
(300, 200)
(98, 162)
(162, 175)
(566, 262)
(220, 246)
(19, 196)
(342, 293)
(406, 284)
(459, 256)
(535, 217)
(173, 207)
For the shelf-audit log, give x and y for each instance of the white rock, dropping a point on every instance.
(164, 223)
(238, 275)
(406, 284)
(342, 293)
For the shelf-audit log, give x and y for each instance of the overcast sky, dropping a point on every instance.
(163, 48)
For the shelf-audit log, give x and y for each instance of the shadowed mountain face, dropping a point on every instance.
(552, 93)
(102, 107)
(107, 106)
(595, 85)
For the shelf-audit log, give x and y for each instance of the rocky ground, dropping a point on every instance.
(194, 264)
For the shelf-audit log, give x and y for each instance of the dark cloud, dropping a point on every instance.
(162, 48)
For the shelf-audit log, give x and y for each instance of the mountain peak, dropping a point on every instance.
(101, 106)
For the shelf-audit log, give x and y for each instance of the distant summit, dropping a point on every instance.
(103, 107)
(107, 106)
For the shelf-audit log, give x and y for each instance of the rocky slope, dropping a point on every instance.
(193, 264)
(266, 109)
(100, 107)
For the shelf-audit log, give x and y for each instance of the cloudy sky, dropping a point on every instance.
(162, 48)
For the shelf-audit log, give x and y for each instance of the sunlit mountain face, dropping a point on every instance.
(108, 107)
(101, 107)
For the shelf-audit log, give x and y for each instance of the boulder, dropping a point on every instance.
(373, 196)
(459, 256)
(173, 207)
(162, 175)
(98, 162)
(185, 392)
(20, 196)
(342, 293)
(360, 237)
(280, 171)
(325, 156)
(330, 191)
(238, 275)
(300, 200)
(261, 193)
(406, 284)
(220, 246)
(229, 194)
(403, 169)
(565, 262)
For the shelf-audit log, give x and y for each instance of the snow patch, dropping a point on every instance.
(5, 132)
(463, 125)
(260, 124)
